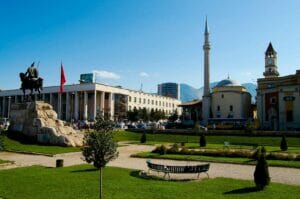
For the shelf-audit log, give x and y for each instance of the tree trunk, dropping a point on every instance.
(100, 182)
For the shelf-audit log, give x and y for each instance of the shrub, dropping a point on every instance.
(283, 144)
(174, 149)
(202, 141)
(261, 173)
(263, 151)
(184, 151)
(297, 157)
(162, 150)
(257, 154)
(281, 156)
(143, 138)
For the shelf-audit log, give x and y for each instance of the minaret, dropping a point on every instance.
(206, 92)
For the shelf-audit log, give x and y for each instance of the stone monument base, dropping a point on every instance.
(39, 121)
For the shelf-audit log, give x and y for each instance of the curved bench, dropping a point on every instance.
(167, 169)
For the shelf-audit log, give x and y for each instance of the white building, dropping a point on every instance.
(229, 99)
(83, 101)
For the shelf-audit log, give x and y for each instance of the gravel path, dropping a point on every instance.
(278, 174)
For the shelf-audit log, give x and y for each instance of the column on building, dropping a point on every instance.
(95, 105)
(111, 105)
(76, 106)
(102, 103)
(85, 106)
(16, 99)
(51, 98)
(68, 107)
(261, 109)
(9, 105)
(3, 105)
(281, 112)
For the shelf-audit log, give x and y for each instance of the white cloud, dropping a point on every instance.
(144, 74)
(106, 74)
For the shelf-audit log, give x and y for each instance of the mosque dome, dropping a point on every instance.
(228, 82)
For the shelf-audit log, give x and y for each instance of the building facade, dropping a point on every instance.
(230, 99)
(278, 98)
(191, 112)
(169, 90)
(83, 101)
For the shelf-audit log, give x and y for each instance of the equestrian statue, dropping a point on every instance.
(31, 80)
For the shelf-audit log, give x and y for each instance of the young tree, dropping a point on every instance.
(261, 173)
(99, 147)
(143, 138)
(202, 141)
(283, 144)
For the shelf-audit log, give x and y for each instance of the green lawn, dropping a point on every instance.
(14, 145)
(282, 163)
(219, 140)
(4, 161)
(83, 182)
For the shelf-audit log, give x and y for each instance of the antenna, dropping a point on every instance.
(141, 89)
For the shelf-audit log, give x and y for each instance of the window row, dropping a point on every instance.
(131, 108)
(152, 102)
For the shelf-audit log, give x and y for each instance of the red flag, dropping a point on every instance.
(62, 79)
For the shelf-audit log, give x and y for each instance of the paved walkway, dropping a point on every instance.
(278, 174)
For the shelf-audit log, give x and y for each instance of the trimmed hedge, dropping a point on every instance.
(244, 153)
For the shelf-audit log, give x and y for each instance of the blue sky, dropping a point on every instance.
(148, 41)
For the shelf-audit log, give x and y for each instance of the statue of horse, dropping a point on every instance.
(30, 84)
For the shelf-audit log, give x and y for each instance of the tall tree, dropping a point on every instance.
(99, 147)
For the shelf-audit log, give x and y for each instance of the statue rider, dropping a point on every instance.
(32, 72)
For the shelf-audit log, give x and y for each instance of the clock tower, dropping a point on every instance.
(271, 62)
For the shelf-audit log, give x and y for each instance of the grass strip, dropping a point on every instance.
(247, 161)
(83, 182)
(211, 139)
(16, 146)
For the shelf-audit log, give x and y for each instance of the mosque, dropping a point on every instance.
(228, 102)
